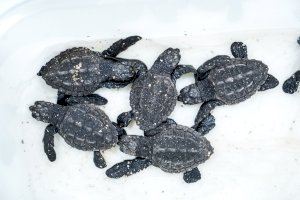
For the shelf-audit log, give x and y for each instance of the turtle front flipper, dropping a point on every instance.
(127, 167)
(68, 100)
(181, 70)
(48, 141)
(99, 160)
(205, 111)
(192, 176)
(270, 83)
(291, 85)
(239, 50)
(120, 45)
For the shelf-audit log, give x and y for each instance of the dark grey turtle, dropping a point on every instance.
(153, 95)
(291, 85)
(80, 71)
(224, 80)
(173, 148)
(83, 126)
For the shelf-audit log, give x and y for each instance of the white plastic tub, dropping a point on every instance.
(257, 142)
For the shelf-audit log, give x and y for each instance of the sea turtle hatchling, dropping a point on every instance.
(83, 126)
(79, 71)
(153, 95)
(224, 80)
(291, 85)
(173, 148)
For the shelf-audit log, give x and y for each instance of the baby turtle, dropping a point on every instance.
(83, 126)
(153, 95)
(224, 81)
(173, 148)
(291, 84)
(80, 71)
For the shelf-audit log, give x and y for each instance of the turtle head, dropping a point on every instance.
(126, 71)
(167, 61)
(135, 145)
(139, 68)
(46, 112)
(196, 93)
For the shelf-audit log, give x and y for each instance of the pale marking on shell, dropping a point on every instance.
(75, 75)
(67, 83)
(220, 82)
(230, 93)
(169, 136)
(91, 116)
(238, 77)
(88, 128)
(70, 134)
(87, 82)
(70, 119)
(91, 141)
(80, 139)
(92, 69)
(82, 70)
(79, 124)
(249, 73)
(250, 84)
(229, 80)
(61, 73)
(220, 69)
(231, 66)
(159, 149)
(240, 89)
(180, 167)
(51, 74)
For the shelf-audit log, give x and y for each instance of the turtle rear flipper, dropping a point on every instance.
(291, 85)
(48, 141)
(270, 83)
(206, 125)
(99, 160)
(192, 176)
